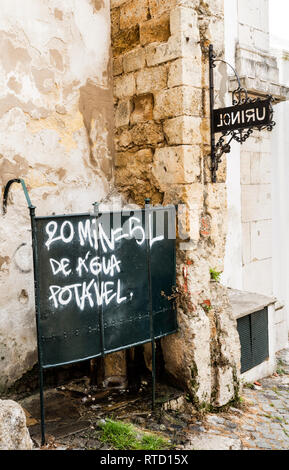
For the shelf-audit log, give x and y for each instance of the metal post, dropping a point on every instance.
(214, 163)
(101, 321)
(148, 212)
(37, 303)
(37, 311)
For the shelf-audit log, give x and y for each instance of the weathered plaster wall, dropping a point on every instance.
(160, 67)
(56, 120)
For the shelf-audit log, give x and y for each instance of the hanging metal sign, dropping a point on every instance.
(242, 116)
(237, 122)
(102, 282)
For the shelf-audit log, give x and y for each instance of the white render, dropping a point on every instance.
(257, 171)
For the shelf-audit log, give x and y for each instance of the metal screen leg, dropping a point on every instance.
(42, 406)
(153, 375)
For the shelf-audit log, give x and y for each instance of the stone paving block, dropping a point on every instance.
(213, 442)
(248, 428)
(215, 419)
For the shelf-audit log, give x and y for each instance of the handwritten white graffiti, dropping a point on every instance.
(91, 291)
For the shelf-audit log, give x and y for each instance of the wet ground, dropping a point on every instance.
(73, 412)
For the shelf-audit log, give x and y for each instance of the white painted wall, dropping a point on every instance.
(257, 256)
(280, 145)
(232, 275)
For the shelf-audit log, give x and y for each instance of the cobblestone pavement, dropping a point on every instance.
(262, 422)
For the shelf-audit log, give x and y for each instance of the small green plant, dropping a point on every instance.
(249, 385)
(215, 275)
(124, 436)
(207, 306)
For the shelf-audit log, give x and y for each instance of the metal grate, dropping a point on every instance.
(253, 332)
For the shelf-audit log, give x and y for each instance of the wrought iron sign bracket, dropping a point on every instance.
(238, 121)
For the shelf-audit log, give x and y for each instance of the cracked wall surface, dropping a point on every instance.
(56, 121)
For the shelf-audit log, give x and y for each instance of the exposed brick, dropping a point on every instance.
(155, 30)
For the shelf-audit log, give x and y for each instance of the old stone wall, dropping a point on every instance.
(56, 120)
(161, 97)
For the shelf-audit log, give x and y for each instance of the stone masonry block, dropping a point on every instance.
(257, 277)
(176, 165)
(144, 156)
(117, 66)
(176, 47)
(117, 3)
(216, 7)
(260, 167)
(216, 197)
(184, 20)
(133, 12)
(143, 108)
(256, 202)
(147, 133)
(158, 7)
(124, 86)
(114, 21)
(261, 240)
(155, 30)
(186, 71)
(125, 40)
(134, 60)
(151, 79)
(178, 101)
(122, 114)
(225, 386)
(183, 130)
(215, 34)
(123, 159)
